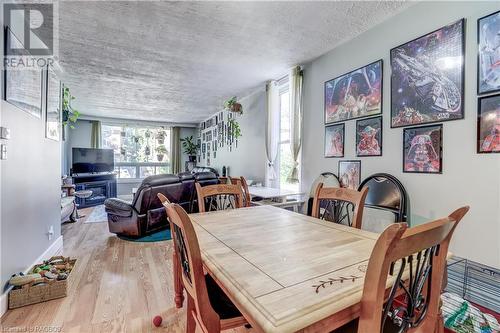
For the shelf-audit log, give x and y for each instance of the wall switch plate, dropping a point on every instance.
(3, 152)
(4, 133)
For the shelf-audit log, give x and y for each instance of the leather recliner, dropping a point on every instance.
(146, 214)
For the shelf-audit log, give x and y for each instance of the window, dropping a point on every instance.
(285, 158)
(139, 151)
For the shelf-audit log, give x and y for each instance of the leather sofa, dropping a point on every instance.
(145, 214)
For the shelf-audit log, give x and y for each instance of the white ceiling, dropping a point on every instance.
(178, 61)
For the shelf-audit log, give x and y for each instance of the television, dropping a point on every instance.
(93, 160)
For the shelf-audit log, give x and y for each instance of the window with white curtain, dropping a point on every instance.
(140, 151)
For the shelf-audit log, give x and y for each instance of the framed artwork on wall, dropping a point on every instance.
(427, 79)
(334, 140)
(369, 137)
(350, 174)
(53, 105)
(23, 87)
(488, 124)
(355, 94)
(422, 149)
(488, 62)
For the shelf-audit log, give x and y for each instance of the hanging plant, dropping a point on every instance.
(147, 151)
(147, 134)
(235, 130)
(233, 105)
(160, 136)
(69, 114)
(160, 152)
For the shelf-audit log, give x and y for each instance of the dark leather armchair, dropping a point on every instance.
(146, 214)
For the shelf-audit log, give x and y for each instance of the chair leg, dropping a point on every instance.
(190, 321)
(178, 287)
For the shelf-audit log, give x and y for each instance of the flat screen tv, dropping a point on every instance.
(92, 160)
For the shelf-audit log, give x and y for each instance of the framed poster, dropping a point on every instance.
(355, 94)
(23, 86)
(53, 105)
(369, 137)
(350, 174)
(427, 79)
(334, 140)
(488, 62)
(488, 124)
(422, 149)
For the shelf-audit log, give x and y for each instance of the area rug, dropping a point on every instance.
(156, 237)
(98, 215)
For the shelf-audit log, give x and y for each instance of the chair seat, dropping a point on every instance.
(219, 300)
(352, 327)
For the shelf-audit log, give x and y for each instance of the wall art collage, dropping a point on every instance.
(427, 88)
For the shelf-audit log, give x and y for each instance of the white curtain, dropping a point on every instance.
(272, 131)
(295, 88)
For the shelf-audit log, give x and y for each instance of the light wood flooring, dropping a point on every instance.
(116, 286)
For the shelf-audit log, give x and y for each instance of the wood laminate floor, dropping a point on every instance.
(116, 286)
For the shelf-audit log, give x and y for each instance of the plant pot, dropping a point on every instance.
(147, 151)
(236, 107)
(192, 158)
(161, 140)
(159, 157)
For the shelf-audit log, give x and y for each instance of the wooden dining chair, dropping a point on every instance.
(219, 197)
(339, 205)
(241, 181)
(208, 307)
(416, 258)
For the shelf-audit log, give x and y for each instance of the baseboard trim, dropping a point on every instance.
(53, 250)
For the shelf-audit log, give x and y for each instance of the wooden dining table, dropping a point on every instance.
(285, 272)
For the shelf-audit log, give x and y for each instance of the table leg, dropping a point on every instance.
(178, 287)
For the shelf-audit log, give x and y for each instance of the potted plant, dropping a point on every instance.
(190, 148)
(69, 114)
(160, 136)
(233, 106)
(147, 134)
(160, 152)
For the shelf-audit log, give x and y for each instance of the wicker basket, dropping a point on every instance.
(31, 293)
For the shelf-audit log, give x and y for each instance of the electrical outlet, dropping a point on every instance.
(50, 233)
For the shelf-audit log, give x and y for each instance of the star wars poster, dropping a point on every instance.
(488, 29)
(427, 78)
(369, 137)
(334, 140)
(350, 174)
(355, 94)
(488, 125)
(422, 149)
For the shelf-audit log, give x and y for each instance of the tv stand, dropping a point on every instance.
(102, 185)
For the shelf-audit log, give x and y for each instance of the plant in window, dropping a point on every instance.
(235, 130)
(160, 136)
(190, 148)
(147, 133)
(69, 114)
(147, 151)
(160, 152)
(233, 105)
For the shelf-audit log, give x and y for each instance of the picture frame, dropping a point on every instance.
(369, 136)
(334, 140)
(23, 88)
(428, 77)
(488, 124)
(52, 105)
(423, 149)
(488, 75)
(356, 94)
(349, 174)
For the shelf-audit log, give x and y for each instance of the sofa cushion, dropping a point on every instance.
(157, 180)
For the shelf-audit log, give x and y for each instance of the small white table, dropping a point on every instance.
(276, 197)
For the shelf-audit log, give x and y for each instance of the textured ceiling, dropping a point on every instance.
(178, 61)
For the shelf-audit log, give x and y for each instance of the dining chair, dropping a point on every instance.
(219, 197)
(339, 205)
(416, 260)
(208, 307)
(242, 182)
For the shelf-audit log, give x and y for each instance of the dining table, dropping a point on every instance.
(284, 271)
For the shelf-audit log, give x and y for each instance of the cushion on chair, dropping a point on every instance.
(219, 300)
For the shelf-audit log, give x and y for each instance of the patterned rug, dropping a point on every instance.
(98, 215)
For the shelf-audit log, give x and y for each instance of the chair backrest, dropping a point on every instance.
(190, 262)
(416, 258)
(387, 193)
(328, 179)
(145, 198)
(219, 197)
(242, 182)
(343, 205)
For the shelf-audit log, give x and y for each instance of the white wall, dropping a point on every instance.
(467, 179)
(248, 159)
